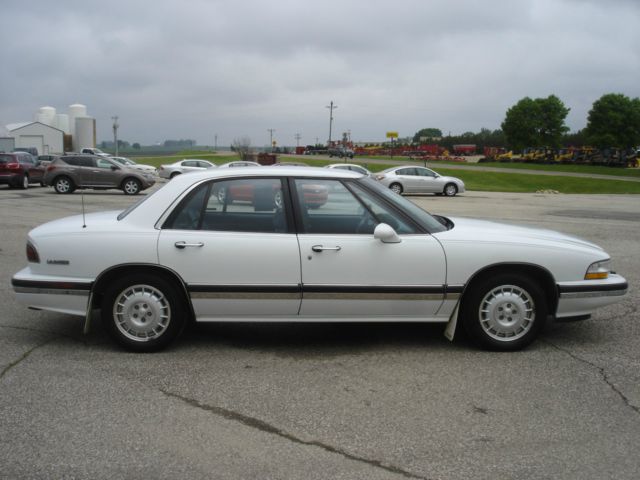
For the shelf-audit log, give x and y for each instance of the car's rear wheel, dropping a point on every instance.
(396, 188)
(450, 189)
(143, 313)
(63, 185)
(174, 174)
(25, 182)
(131, 186)
(504, 312)
(222, 195)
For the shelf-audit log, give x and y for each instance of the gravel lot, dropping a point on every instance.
(325, 401)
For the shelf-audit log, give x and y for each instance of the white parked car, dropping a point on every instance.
(410, 179)
(351, 167)
(239, 163)
(363, 254)
(127, 162)
(184, 166)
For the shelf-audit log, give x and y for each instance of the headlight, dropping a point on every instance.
(598, 270)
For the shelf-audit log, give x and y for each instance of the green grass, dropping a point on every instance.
(615, 171)
(512, 182)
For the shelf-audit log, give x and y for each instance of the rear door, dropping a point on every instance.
(238, 258)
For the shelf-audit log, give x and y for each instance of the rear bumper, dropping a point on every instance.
(582, 298)
(55, 294)
(11, 178)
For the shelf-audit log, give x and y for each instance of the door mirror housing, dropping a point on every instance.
(386, 234)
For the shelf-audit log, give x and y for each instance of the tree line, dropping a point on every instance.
(613, 121)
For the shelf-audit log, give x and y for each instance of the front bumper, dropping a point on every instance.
(582, 298)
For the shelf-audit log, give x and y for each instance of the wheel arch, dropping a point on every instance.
(539, 274)
(104, 279)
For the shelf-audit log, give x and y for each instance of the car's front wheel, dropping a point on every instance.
(450, 189)
(63, 185)
(131, 186)
(504, 312)
(143, 313)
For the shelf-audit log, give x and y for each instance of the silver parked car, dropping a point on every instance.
(410, 179)
(184, 166)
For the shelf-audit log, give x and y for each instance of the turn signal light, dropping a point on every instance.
(598, 270)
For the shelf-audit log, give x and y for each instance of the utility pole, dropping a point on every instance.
(297, 136)
(331, 106)
(271, 130)
(215, 142)
(115, 132)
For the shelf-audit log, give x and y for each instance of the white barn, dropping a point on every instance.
(45, 138)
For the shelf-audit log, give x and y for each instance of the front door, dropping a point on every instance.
(239, 258)
(347, 273)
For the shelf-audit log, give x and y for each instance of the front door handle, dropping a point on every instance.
(320, 248)
(182, 245)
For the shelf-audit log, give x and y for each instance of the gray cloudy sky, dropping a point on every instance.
(194, 68)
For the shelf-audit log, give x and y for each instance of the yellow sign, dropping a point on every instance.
(392, 134)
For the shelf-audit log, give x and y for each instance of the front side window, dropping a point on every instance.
(406, 171)
(327, 206)
(239, 205)
(102, 163)
(425, 172)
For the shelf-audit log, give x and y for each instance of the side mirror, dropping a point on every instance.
(114, 168)
(386, 234)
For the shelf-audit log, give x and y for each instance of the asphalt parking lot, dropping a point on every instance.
(325, 401)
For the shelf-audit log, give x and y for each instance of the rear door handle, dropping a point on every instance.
(320, 248)
(182, 245)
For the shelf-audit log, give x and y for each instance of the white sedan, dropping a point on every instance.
(412, 179)
(127, 162)
(187, 165)
(364, 254)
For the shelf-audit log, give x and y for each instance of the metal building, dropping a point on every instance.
(45, 138)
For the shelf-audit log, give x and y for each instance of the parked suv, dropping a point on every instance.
(69, 172)
(19, 169)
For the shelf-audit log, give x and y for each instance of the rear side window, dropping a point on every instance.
(6, 159)
(240, 205)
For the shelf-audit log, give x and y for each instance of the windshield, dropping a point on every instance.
(420, 216)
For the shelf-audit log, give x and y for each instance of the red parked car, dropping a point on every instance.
(19, 169)
(314, 195)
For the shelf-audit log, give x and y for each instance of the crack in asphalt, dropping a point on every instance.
(602, 373)
(268, 428)
(23, 357)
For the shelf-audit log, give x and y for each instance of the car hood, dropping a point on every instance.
(480, 231)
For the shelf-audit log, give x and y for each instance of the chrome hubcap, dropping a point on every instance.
(507, 313)
(141, 313)
(451, 190)
(396, 189)
(131, 187)
(63, 185)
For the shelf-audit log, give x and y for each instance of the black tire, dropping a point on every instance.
(131, 186)
(397, 188)
(24, 184)
(504, 312)
(174, 175)
(63, 185)
(143, 313)
(450, 190)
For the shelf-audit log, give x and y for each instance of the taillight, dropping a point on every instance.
(32, 253)
(13, 166)
(51, 168)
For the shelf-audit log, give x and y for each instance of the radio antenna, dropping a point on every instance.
(84, 223)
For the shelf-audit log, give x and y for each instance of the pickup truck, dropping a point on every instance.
(340, 152)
